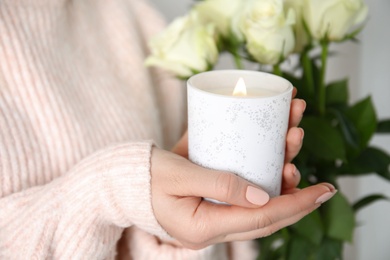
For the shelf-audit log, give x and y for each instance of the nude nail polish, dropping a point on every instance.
(325, 197)
(256, 196)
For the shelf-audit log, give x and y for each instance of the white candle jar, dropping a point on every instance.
(245, 135)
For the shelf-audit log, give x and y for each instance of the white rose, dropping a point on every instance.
(333, 19)
(267, 30)
(186, 47)
(218, 12)
(301, 37)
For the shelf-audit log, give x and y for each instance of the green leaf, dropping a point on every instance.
(347, 127)
(339, 218)
(329, 249)
(363, 116)
(310, 228)
(268, 250)
(370, 160)
(383, 126)
(337, 93)
(367, 201)
(322, 140)
(299, 249)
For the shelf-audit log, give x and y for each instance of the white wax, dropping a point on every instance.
(251, 92)
(240, 134)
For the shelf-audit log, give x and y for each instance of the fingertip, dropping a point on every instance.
(296, 135)
(296, 174)
(303, 105)
(302, 132)
(291, 177)
(325, 197)
(294, 92)
(289, 171)
(256, 196)
(293, 170)
(298, 107)
(294, 142)
(328, 185)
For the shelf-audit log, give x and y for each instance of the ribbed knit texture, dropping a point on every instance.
(79, 113)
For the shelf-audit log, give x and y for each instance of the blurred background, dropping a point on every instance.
(367, 64)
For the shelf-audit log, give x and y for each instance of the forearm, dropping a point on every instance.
(83, 213)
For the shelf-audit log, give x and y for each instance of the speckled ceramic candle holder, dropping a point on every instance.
(243, 135)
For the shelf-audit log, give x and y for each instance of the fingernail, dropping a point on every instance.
(295, 170)
(256, 196)
(304, 105)
(325, 197)
(303, 134)
(330, 186)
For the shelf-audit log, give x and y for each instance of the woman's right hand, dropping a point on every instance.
(178, 189)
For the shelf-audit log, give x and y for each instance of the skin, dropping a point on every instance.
(178, 187)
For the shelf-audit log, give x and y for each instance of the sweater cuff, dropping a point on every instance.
(127, 187)
(123, 178)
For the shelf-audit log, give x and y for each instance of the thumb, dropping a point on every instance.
(225, 187)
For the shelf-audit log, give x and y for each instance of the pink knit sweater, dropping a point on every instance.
(78, 114)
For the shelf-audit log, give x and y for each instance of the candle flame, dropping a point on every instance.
(240, 89)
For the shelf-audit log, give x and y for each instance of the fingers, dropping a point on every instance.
(295, 135)
(294, 140)
(178, 185)
(181, 178)
(235, 223)
(294, 92)
(225, 187)
(291, 178)
(269, 230)
(298, 107)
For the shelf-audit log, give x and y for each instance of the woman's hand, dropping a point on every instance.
(294, 138)
(178, 187)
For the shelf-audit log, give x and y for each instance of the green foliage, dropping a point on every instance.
(384, 126)
(367, 201)
(337, 143)
(339, 218)
(337, 93)
(322, 140)
(311, 228)
(337, 132)
(363, 116)
(369, 160)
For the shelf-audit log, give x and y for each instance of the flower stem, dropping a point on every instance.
(238, 61)
(321, 98)
(277, 70)
(307, 74)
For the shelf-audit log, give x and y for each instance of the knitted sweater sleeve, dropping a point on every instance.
(170, 92)
(81, 215)
(81, 212)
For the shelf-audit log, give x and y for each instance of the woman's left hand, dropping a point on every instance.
(294, 139)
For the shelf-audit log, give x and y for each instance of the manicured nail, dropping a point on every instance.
(325, 197)
(330, 186)
(303, 134)
(304, 104)
(256, 196)
(294, 173)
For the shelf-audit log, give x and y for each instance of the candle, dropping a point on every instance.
(250, 92)
(240, 129)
